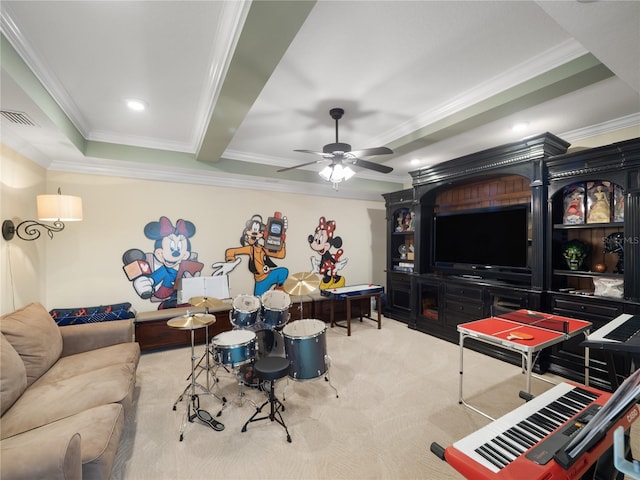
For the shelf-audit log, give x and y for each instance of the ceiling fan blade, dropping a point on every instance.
(324, 154)
(358, 162)
(371, 151)
(301, 165)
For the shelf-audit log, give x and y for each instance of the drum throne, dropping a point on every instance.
(270, 369)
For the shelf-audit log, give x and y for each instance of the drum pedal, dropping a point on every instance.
(206, 417)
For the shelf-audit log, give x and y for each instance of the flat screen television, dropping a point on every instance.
(494, 238)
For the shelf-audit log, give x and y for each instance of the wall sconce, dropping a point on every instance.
(336, 173)
(51, 208)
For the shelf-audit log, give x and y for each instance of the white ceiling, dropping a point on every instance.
(234, 87)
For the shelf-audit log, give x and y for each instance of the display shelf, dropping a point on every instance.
(579, 273)
(583, 226)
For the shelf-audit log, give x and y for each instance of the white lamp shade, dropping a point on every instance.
(64, 208)
(325, 173)
(336, 173)
(348, 173)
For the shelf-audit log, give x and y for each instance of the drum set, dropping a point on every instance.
(261, 328)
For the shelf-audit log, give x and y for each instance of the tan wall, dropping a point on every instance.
(22, 264)
(83, 265)
(606, 138)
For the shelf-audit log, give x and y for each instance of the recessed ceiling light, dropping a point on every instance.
(136, 105)
(520, 127)
(415, 161)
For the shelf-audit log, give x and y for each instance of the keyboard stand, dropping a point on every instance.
(628, 351)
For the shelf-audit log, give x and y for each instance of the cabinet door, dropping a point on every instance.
(462, 303)
(399, 297)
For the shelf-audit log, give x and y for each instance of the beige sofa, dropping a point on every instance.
(64, 395)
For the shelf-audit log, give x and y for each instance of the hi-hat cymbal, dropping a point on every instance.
(302, 283)
(192, 321)
(205, 302)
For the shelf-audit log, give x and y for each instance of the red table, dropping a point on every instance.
(545, 328)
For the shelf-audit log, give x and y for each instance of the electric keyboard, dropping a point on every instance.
(620, 329)
(524, 442)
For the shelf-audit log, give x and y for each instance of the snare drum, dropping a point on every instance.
(245, 311)
(275, 308)
(235, 347)
(305, 346)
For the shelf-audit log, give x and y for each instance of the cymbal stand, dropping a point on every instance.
(210, 371)
(194, 400)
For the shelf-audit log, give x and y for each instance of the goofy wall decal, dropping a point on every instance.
(260, 243)
(329, 264)
(155, 274)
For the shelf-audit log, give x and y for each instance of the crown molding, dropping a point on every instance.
(629, 121)
(41, 71)
(533, 67)
(137, 171)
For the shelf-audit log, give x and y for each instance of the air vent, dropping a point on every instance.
(17, 117)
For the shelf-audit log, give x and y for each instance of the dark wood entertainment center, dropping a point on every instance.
(434, 297)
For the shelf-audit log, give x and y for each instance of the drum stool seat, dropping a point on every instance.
(270, 369)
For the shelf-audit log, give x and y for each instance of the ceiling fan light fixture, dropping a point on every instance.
(336, 173)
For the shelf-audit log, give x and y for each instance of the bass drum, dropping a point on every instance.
(275, 308)
(245, 312)
(305, 345)
(269, 343)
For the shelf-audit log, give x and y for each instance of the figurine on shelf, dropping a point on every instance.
(614, 243)
(412, 216)
(599, 204)
(573, 204)
(575, 252)
(399, 220)
(618, 204)
(408, 223)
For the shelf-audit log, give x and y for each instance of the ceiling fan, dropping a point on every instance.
(341, 156)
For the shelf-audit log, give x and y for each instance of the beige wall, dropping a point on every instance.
(83, 264)
(22, 264)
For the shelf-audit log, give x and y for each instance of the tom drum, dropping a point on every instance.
(245, 311)
(234, 348)
(275, 308)
(305, 346)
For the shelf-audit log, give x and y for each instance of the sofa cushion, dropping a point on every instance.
(79, 363)
(99, 429)
(35, 336)
(43, 404)
(13, 375)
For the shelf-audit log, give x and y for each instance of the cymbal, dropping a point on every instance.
(301, 283)
(192, 321)
(205, 302)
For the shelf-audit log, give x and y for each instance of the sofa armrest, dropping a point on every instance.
(52, 457)
(89, 336)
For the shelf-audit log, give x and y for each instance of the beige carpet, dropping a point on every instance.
(398, 392)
